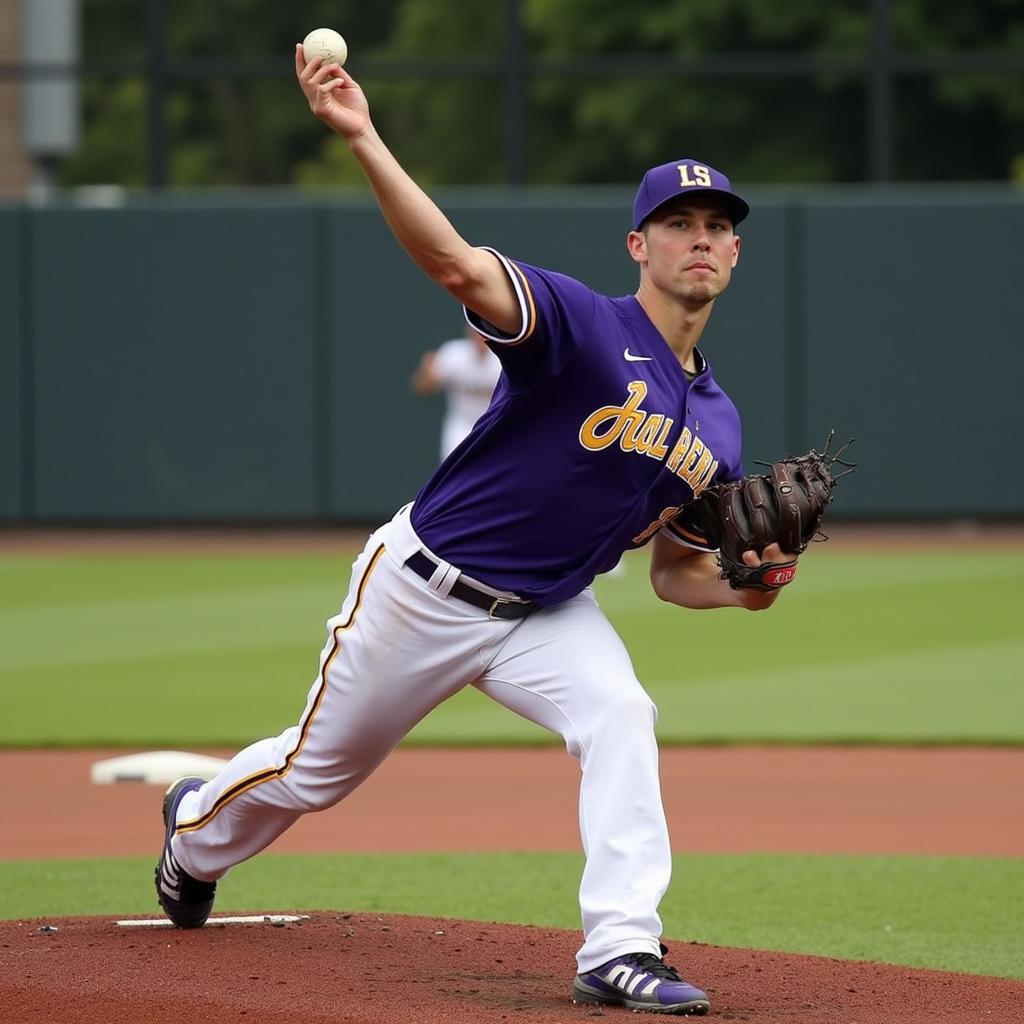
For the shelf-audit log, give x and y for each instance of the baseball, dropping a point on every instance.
(327, 44)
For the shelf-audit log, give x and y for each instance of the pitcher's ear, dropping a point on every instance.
(636, 244)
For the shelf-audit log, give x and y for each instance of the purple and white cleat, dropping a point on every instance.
(187, 901)
(641, 982)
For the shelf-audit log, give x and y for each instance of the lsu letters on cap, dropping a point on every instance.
(668, 181)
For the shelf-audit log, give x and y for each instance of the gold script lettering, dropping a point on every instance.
(615, 419)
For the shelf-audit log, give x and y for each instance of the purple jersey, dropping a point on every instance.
(594, 439)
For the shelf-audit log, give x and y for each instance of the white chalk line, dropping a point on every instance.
(162, 922)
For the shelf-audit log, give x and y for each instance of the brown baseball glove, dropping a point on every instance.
(784, 506)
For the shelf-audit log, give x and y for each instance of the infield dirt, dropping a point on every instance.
(357, 968)
(856, 800)
(341, 968)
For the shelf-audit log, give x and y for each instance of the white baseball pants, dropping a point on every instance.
(397, 649)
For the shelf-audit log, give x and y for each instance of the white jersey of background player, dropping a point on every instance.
(466, 370)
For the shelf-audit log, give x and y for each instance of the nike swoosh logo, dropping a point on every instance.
(630, 358)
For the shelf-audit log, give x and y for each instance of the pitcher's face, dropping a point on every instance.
(688, 249)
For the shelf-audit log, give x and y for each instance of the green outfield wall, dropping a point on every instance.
(15, 417)
(248, 359)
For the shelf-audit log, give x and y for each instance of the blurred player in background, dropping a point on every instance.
(466, 370)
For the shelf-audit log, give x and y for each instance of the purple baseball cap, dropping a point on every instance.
(667, 181)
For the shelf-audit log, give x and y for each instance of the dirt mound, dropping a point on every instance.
(342, 968)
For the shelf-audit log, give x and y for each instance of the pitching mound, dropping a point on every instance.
(340, 968)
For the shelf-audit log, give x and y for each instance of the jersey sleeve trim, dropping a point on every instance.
(687, 537)
(527, 307)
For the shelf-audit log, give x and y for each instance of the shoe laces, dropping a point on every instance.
(656, 966)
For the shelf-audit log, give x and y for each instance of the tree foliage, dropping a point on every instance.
(445, 114)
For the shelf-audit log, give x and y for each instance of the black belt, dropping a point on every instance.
(496, 607)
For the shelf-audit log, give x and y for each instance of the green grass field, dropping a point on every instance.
(218, 650)
(957, 914)
(869, 647)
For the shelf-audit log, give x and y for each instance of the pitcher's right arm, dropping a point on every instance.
(473, 276)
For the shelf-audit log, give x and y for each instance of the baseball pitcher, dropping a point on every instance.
(607, 432)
